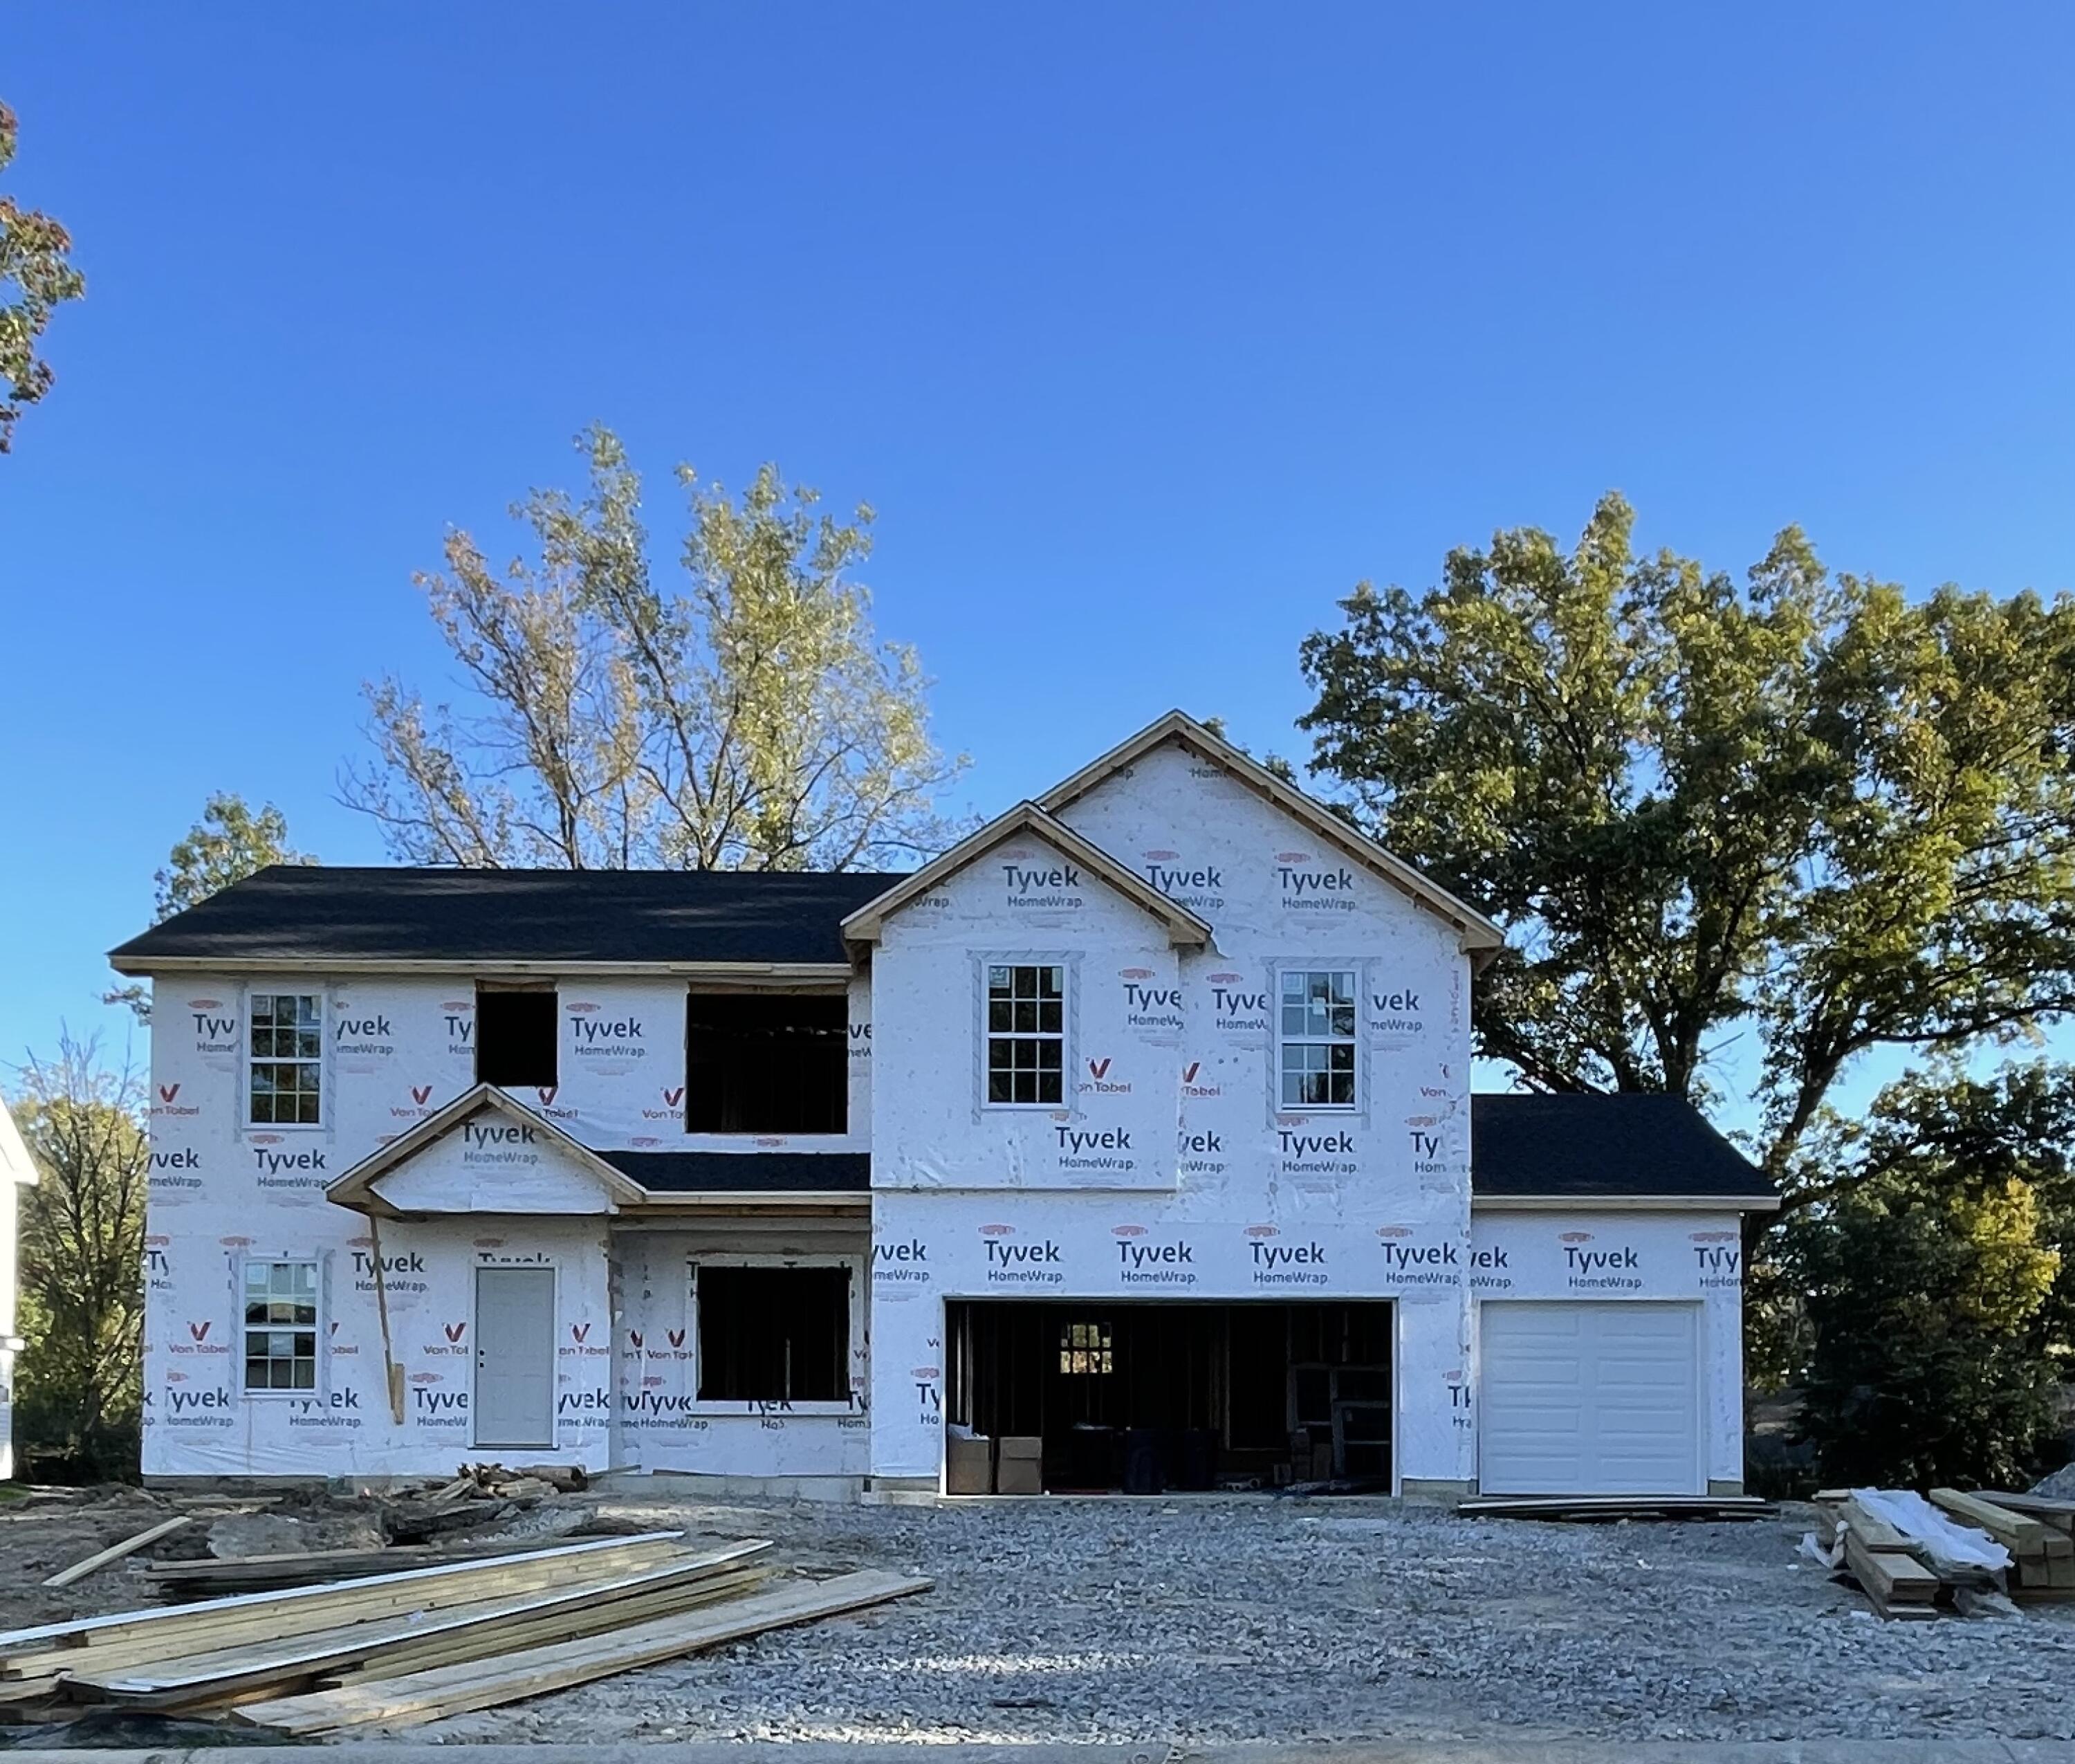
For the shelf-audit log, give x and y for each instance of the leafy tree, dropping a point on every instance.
(82, 1255)
(1804, 809)
(226, 845)
(1928, 1287)
(36, 276)
(751, 720)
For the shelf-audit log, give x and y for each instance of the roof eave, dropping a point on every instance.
(1624, 1203)
(748, 972)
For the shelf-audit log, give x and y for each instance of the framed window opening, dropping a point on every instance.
(1085, 1348)
(775, 1335)
(518, 1035)
(279, 1326)
(1026, 1034)
(285, 1076)
(1316, 1039)
(767, 1062)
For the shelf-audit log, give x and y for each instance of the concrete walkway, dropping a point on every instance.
(407, 1751)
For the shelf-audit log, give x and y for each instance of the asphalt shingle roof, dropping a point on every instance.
(1604, 1147)
(761, 1173)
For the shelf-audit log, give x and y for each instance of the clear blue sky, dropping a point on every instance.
(1150, 330)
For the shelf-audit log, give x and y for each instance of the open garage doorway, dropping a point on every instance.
(1164, 1396)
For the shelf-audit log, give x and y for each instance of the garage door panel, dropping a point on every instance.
(1588, 1398)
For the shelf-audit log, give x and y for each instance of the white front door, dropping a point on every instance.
(515, 1356)
(1588, 1398)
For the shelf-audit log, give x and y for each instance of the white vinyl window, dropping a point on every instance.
(281, 1326)
(1026, 1033)
(287, 1058)
(1318, 1038)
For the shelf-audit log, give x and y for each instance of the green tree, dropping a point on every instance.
(226, 845)
(751, 720)
(1805, 810)
(1926, 1288)
(36, 276)
(82, 1257)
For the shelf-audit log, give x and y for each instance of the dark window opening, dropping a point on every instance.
(767, 1062)
(774, 1335)
(517, 1035)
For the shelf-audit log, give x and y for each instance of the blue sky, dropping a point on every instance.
(1149, 330)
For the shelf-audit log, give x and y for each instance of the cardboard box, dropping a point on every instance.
(1020, 1468)
(968, 1466)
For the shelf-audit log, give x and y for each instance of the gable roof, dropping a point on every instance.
(1477, 933)
(1629, 1148)
(318, 917)
(1184, 926)
(356, 1188)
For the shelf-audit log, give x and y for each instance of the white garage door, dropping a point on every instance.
(1589, 1399)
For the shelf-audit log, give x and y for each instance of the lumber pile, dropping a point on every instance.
(1942, 1560)
(1608, 1507)
(411, 1645)
(479, 1495)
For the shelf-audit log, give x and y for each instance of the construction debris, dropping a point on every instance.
(1967, 1554)
(406, 1647)
(116, 1551)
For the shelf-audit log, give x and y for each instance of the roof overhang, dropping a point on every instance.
(1624, 1203)
(356, 1188)
(737, 973)
(1479, 936)
(1183, 928)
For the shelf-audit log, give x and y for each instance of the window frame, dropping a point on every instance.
(316, 1391)
(1352, 974)
(320, 1063)
(1087, 1348)
(557, 1028)
(983, 990)
(858, 1402)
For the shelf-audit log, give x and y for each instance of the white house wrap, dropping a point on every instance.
(1139, 1124)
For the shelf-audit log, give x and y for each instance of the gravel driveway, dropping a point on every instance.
(1263, 1619)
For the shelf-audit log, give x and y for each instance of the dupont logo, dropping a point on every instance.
(1394, 1231)
(1711, 1237)
(579, 1007)
(1262, 1232)
(1224, 979)
(770, 1139)
(645, 1140)
(1293, 857)
(997, 1231)
(205, 1003)
(1574, 1237)
(427, 1378)
(235, 1243)
(1127, 1230)
(487, 1243)
(925, 1373)
(265, 1139)
(458, 1004)
(1160, 857)
(1134, 973)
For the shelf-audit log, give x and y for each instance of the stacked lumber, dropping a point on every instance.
(209, 1577)
(415, 1644)
(1906, 1576)
(1612, 1507)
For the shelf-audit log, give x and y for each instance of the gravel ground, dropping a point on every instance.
(1281, 1619)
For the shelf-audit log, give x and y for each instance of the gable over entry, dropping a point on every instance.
(483, 1153)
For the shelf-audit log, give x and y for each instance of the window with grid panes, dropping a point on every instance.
(280, 1326)
(287, 1057)
(1026, 1033)
(1085, 1348)
(1318, 1038)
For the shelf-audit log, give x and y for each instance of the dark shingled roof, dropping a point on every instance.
(1604, 1147)
(292, 912)
(763, 1173)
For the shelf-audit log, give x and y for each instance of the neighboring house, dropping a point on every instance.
(1140, 1123)
(18, 1170)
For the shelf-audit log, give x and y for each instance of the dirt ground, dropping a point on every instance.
(1227, 1620)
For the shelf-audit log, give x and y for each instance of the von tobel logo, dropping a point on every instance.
(1099, 1081)
(673, 1108)
(1051, 886)
(169, 1105)
(548, 1093)
(1285, 1265)
(581, 1346)
(1307, 888)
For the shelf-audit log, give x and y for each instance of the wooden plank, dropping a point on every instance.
(297, 1610)
(557, 1626)
(425, 1696)
(212, 1578)
(183, 1679)
(1889, 1578)
(115, 1552)
(1874, 1532)
(2060, 1514)
(2022, 1535)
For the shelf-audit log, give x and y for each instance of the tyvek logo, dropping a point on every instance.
(454, 1331)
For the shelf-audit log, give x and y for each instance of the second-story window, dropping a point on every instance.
(517, 1035)
(1318, 1038)
(1026, 1033)
(288, 1058)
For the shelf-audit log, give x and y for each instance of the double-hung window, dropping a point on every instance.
(1318, 1038)
(1026, 1033)
(280, 1326)
(288, 1058)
